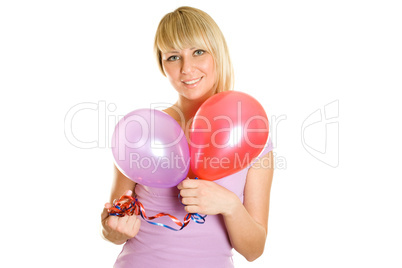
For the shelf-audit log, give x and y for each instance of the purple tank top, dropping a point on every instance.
(197, 245)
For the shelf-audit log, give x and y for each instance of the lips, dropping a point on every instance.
(192, 81)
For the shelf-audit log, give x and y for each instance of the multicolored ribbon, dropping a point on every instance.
(128, 205)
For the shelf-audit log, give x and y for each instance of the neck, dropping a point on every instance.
(189, 107)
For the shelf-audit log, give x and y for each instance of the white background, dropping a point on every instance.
(294, 56)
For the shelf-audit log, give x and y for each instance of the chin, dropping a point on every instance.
(197, 96)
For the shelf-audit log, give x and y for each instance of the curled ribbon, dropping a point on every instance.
(128, 205)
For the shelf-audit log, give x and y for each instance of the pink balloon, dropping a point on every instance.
(150, 148)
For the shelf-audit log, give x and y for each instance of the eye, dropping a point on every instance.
(199, 52)
(173, 58)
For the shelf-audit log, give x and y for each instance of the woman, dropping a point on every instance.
(192, 53)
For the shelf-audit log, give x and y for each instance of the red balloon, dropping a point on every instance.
(228, 131)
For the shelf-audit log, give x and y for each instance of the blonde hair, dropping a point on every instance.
(188, 27)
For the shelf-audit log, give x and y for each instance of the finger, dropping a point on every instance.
(188, 184)
(104, 215)
(131, 221)
(126, 219)
(121, 224)
(180, 185)
(192, 209)
(190, 201)
(127, 224)
(133, 226)
(188, 193)
(105, 212)
(112, 222)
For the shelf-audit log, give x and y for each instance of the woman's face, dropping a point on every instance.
(191, 71)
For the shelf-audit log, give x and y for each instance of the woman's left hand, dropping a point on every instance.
(207, 197)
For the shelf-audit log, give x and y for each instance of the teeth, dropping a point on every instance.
(192, 82)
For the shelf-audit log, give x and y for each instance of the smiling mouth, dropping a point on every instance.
(192, 81)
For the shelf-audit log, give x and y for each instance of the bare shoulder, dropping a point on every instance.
(174, 112)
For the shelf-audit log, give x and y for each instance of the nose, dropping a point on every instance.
(187, 65)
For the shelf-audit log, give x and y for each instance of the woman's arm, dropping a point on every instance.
(118, 229)
(120, 185)
(246, 223)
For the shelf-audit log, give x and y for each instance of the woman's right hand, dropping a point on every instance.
(119, 229)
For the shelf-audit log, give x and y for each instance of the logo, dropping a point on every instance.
(320, 134)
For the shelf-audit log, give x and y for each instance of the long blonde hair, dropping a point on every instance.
(188, 27)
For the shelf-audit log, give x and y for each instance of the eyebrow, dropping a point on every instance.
(178, 51)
